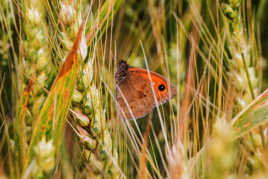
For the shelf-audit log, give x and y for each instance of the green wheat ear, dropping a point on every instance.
(243, 63)
(92, 128)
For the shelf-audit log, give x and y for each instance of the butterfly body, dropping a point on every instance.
(134, 91)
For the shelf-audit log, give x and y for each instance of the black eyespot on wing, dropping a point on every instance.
(161, 87)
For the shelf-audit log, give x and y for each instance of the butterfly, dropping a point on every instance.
(134, 92)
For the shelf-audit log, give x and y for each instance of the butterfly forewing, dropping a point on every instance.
(134, 95)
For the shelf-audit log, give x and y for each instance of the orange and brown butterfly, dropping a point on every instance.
(134, 93)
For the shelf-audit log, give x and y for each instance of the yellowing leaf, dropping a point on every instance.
(255, 115)
(51, 120)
